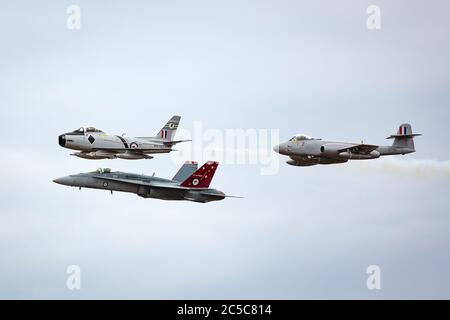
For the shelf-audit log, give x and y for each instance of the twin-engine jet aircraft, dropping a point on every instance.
(306, 151)
(96, 144)
(189, 183)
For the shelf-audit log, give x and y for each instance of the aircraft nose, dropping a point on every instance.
(281, 148)
(62, 140)
(277, 148)
(66, 181)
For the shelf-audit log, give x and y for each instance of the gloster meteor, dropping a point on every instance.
(304, 150)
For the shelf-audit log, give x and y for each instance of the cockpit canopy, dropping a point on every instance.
(102, 170)
(87, 129)
(92, 129)
(301, 137)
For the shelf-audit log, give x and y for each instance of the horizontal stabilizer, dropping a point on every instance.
(174, 142)
(206, 193)
(404, 131)
(393, 136)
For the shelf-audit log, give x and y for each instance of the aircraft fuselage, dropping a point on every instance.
(306, 151)
(142, 185)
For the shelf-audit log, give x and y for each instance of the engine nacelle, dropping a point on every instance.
(331, 150)
(356, 156)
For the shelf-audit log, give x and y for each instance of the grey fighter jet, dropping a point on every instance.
(189, 183)
(96, 144)
(306, 151)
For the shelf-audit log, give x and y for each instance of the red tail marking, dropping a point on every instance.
(202, 177)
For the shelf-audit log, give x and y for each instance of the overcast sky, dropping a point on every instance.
(296, 66)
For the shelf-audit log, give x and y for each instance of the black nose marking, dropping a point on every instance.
(62, 140)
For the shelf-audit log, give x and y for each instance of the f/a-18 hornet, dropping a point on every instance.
(306, 151)
(190, 183)
(96, 144)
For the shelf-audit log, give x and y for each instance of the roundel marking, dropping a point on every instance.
(195, 182)
(171, 125)
(133, 145)
(105, 184)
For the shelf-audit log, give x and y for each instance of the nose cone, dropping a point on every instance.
(66, 181)
(281, 148)
(277, 148)
(62, 140)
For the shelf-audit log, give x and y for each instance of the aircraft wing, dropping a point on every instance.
(360, 149)
(131, 181)
(162, 141)
(133, 150)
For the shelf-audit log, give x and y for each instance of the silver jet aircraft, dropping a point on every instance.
(190, 183)
(306, 151)
(96, 144)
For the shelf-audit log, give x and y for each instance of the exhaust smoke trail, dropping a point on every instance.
(421, 169)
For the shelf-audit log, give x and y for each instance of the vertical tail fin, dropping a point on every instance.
(202, 177)
(168, 131)
(188, 168)
(404, 137)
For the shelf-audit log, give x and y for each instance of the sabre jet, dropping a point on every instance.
(190, 183)
(96, 144)
(304, 150)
